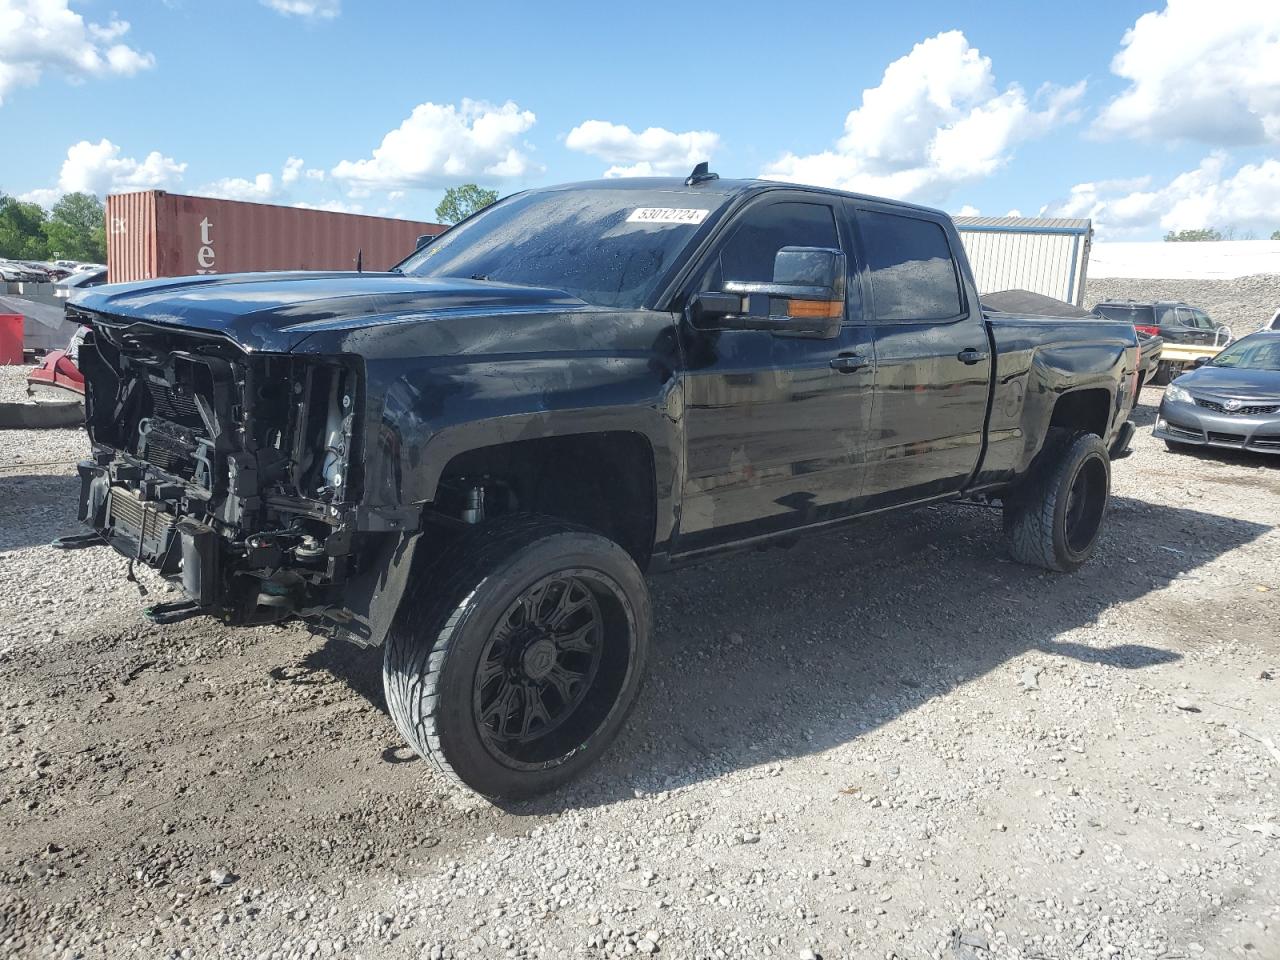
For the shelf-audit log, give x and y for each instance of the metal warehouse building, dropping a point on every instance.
(1049, 256)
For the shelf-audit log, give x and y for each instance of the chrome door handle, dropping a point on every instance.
(848, 362)
(971, 356)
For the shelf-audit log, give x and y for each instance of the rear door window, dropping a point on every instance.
(913, 273)
(1138, 316)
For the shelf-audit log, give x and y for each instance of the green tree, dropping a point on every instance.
(461, 202)
(1275, 235)
(77, 228)
(1206, 233)
(22, 229)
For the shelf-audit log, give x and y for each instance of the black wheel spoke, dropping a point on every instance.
(563, 681)
(489, 671)
(500, 708)
(579, 640)
(538, 667)
(573, 599)
(534, 711)
(531, 604)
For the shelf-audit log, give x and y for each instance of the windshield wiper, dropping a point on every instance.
(479, 276)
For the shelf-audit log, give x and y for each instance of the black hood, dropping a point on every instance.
(276, 311)
(1228, 382)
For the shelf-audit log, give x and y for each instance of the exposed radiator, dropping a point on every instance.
(133, 516)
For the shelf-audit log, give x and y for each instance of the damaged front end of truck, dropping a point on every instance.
(234, 472)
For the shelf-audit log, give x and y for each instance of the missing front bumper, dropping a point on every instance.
(147, 532)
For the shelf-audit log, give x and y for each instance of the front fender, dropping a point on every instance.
(439, 385)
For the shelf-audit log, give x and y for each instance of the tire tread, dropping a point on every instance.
(1029, 513)
(418, 646)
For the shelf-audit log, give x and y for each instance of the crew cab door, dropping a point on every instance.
(775, 421)
(933, 357)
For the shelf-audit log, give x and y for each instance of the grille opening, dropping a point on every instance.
(1253, 410)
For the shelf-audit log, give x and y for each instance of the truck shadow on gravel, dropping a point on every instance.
(761, 657)
(31, 505)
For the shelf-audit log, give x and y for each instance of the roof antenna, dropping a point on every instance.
(360, 260)
(701, 174)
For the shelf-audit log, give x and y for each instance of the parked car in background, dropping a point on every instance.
(1231, 401)
(80, 281)
(1173, 321)
(14, 271)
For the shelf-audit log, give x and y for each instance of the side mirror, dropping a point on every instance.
(1199, 362)
(424, 240)
(806, 295)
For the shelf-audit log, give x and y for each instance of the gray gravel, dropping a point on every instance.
(1244, 304)
(13, 382)
(887, 742)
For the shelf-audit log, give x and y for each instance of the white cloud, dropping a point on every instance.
(935, 120)
(1246, 200)
(441, 144)
(1206, 70)
(292, 171)
(264, 188)
(261, 189)
(46, 35)
(968, 210)
(333, 206)
(652, 152)
(307, 9)
(98, 168)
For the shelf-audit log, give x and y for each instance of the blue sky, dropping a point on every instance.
(990, 107)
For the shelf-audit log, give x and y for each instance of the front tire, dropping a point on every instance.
(515, 658)
(1054, 519)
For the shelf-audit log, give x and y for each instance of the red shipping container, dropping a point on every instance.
(157, 234)
(11, 338)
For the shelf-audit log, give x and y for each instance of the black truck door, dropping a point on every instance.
(933, 359)
(775, 422)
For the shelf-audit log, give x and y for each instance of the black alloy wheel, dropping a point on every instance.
(517, 654)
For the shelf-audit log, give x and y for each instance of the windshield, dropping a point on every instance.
(607, 247)
(1250, 354)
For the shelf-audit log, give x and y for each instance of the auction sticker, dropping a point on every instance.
(667, 215)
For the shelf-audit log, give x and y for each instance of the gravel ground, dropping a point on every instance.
(1243, 304)
(886, 742)
(13, 383)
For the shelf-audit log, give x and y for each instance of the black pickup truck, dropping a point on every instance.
(471, 459)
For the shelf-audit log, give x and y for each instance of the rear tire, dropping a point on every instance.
(514, 660)
(1163, 374)
(1054, 518)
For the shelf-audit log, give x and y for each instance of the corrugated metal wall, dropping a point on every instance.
(1053, 264)
(131, 236)
(158, 234)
